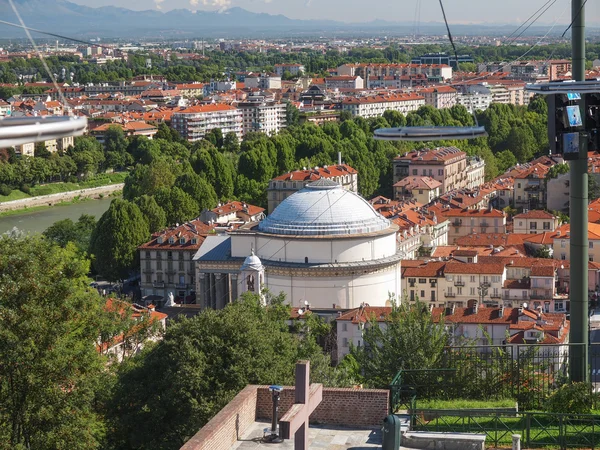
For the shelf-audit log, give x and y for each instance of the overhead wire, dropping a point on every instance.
(39, 53)
(528, 19)
(575, 18)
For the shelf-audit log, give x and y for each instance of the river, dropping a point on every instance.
(38, 221)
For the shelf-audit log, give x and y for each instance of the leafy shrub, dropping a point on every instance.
(575, 398)
(5, 190)
(25, 188)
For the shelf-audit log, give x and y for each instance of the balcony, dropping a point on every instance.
(498, 296)
(158, 284)
(484, 224)
(147, 270)
(459, 283)
(449, 295)
(181, 286)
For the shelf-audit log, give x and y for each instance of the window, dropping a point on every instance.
(422, 294)
(345, 342)
(563, 243)
(563, 256)
(182, 240)
(171, 240)
(440, 172)
(181, 256)
(148, 278)
(591, 244)
(148, 265)
(159, 265)
(546, 225)
(519, 185)
(420, 191)
(412, 295)
(415, 172)
(158, 255)
(147, 255)
(169, 255)
(433, 296)
(472, 291)
(524, 294)
(458, 291)
(181, 266)
(591, 258)
(344, 326)
(533, 225)
(422, 280)
(472, 279)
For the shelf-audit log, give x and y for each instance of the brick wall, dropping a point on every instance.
(344, 407)
(228, 425)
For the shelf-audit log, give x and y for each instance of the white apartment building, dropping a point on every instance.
(375, 106)
(536, 221)
(260, 113)
(475, 98)
(263, 81)
(344, 82)
(194, 122)
(475, 172)
(294, 69)
(440, 96)
(469, 221)
(467, 283)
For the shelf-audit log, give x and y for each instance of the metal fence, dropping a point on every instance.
(527, 373)
(537, 430)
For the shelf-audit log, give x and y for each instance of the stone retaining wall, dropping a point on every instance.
(53, 199)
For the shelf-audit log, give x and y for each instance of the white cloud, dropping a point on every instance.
(218, 3)
(157, 3)
(194, 2)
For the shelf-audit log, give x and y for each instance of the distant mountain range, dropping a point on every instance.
(64, 17)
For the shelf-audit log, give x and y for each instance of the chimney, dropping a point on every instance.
(501, 311)
(475, 307)
(340, 158)
(453, 308)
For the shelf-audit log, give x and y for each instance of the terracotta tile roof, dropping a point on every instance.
(194, 229)
(411, 183)
(235, 206)
(542, 271)
(199, 109)
(517, 284)
(472, 268)
(465, 253)
(428, 270)
(382, 99)
(365, 314)
(317, 173)
(440, 154)
(474, 213)
(535, 214)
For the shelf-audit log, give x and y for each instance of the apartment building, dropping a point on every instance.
(562, 242)
(294, 69)
(477, 323)
(530, 187)
(263, 81)
(475, 97)
(425, 283)
(474, 221)
(166, 261)
(129, 128)
(233, 211)
(439, 72)
(467, 283)
(448, 165)
(422, 189)
(375, 106)
(536, 221)
(344, 82)
(260, 113)
(194, 122)
(283, 186)
(440, 96)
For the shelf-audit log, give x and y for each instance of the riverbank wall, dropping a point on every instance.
(53, 199)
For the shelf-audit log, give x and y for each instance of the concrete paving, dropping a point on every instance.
(321, 437)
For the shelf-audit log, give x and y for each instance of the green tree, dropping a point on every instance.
(149, 179)
(231, 143)
(197, 368)
(505, 160)
(114, 242)
(51, 375)
(79, 233)
(215, 137)
(199, 189)
(411, 339)
(87, 154)
(292, 114)
(178, 205)
(154, 214)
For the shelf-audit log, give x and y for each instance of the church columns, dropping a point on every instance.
(219, 291)
(233, 283)
(201, 295)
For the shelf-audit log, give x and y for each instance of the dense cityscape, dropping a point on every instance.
(249, 243)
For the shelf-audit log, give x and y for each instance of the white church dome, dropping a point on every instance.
(252, 262)
(324, 208)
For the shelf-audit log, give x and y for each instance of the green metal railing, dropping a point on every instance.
(537, 430)
(527, 373)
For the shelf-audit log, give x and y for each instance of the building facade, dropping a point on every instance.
(375, 106)
(195, 122)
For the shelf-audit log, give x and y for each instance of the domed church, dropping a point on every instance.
(323, 245)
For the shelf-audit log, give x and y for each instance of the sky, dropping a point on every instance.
(457, 11)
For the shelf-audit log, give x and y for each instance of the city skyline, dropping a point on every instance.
(458, 11)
